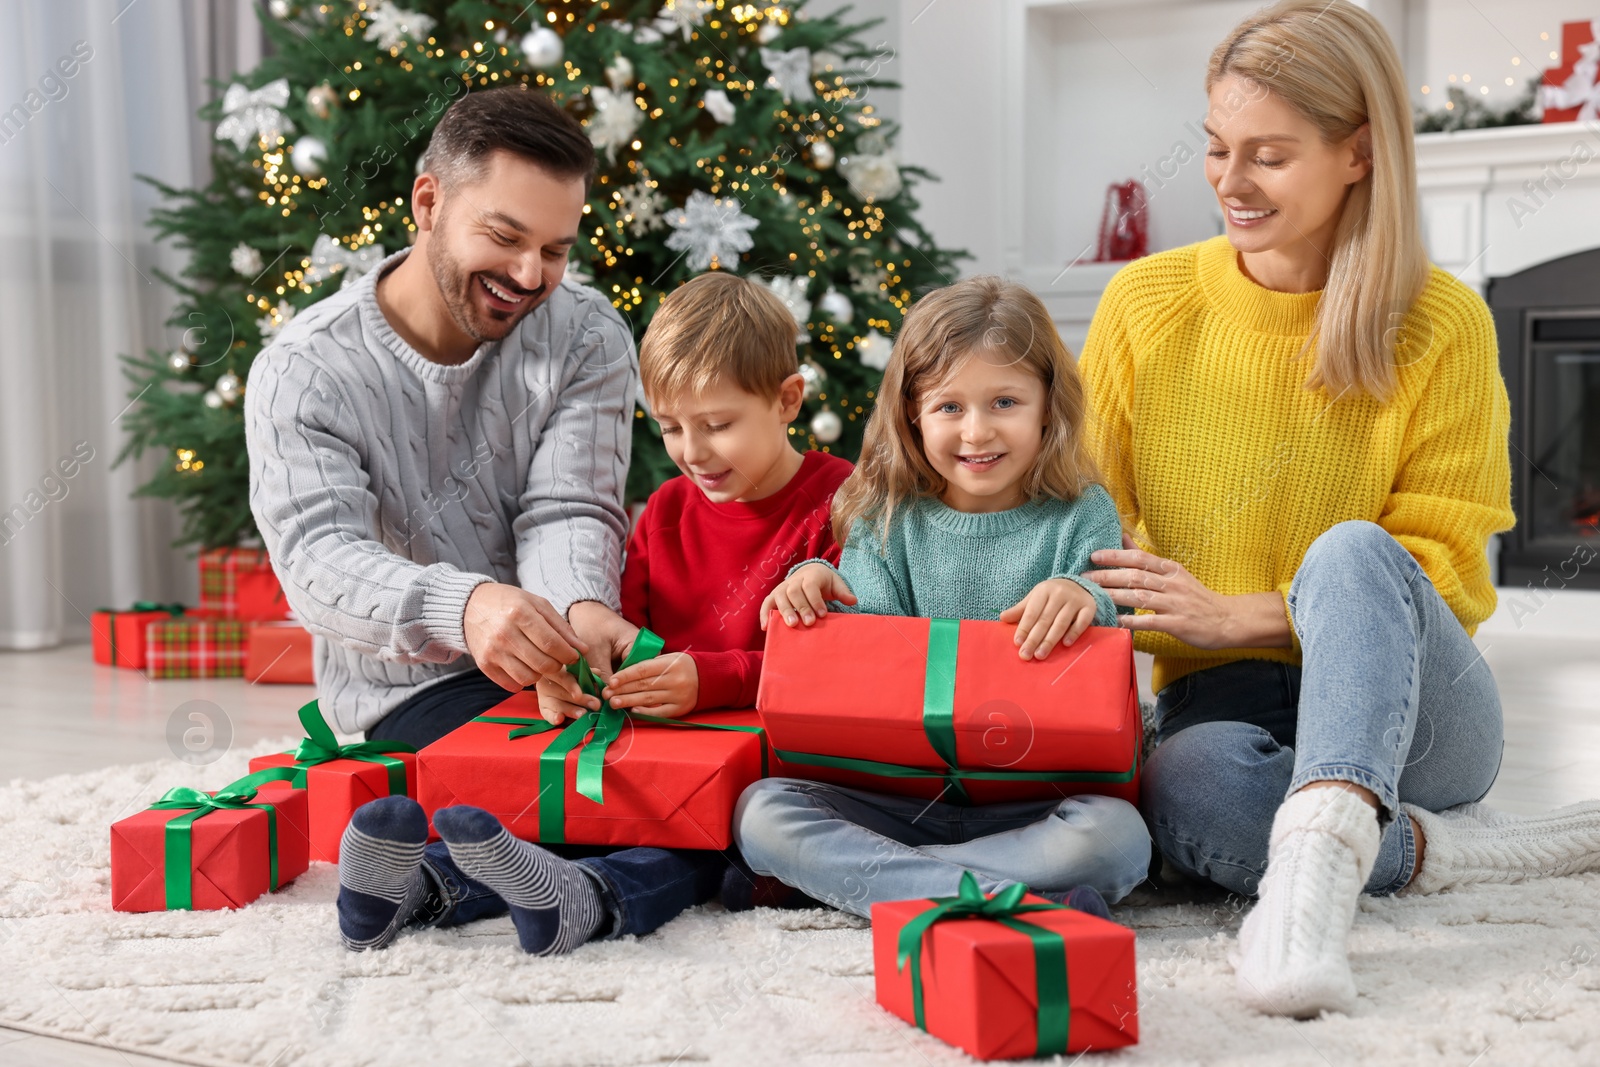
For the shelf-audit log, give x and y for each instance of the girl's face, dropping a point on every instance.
(1281, 187)
(982, 430)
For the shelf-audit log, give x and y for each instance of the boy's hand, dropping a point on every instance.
(667, 686)
(561, 698)
(1054, 611)
(805, 594)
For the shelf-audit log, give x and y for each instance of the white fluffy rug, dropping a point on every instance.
(1497, 975)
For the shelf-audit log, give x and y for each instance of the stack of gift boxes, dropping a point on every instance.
(1571, 92)
(911, 706)
(241, 628)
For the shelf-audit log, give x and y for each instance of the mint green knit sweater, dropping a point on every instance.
(948, 564)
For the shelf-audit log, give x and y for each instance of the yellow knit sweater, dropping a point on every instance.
(1218, 457)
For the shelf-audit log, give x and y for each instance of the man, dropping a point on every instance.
(438, 451)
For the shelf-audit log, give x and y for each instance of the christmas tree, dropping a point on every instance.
(731, 136)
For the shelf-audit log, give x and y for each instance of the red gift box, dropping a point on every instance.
(1571, 92)
(338, 779)
(940, 707)
(238, 583)
(195, 647)
(278, 653)
(230, 859)
(118, 636)
(1008, 976)
(663, 785)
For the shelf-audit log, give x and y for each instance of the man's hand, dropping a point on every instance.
(804, 595)
(516, 637)
(1056, 611)
(667, 686)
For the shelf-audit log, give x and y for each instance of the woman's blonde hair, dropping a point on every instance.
(1334, 64)
(983, 317)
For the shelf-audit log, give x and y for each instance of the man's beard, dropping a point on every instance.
(456, 286)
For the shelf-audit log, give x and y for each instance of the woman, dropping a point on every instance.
(1305, 426)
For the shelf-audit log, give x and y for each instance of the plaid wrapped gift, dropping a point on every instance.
(193, 647)
(238, 583)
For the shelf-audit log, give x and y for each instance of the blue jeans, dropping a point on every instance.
(1392, 695)
(643, 889)
(421, 720)
(851, 848)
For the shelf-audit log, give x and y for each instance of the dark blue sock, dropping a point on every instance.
(554, 903)
(381, 885)
(1084, 898)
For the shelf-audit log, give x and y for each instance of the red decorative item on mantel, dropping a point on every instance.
(1124, 224)
(1571, 92)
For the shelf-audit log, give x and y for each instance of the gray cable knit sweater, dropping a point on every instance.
(388, 487)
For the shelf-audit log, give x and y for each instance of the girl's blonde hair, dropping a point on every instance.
(983, 317)
(1334, 64)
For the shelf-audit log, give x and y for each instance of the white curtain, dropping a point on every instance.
(92, 93)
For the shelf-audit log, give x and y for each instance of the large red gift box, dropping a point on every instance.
(338, 779)
(195, 647)
(238, 583)
(1007, 977)
(946, 708)
(1571, 92)
(230, 859)
(670, 786)
(278, 653)
(118, 637)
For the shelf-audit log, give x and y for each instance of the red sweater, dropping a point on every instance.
(696, 572)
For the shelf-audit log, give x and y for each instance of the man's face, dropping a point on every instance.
(498, 246)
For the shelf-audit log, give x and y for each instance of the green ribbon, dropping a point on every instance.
(591, 734)
(939, 695)
(178, 871)
(138, 606)
(1049, 953)
(320, 746)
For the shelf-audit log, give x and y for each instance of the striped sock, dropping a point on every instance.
(381, 885)
(555, 905)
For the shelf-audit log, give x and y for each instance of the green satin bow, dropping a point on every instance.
(1049, 952)
(592, 734)
(178, 870)
(138, 606)
(320, 746)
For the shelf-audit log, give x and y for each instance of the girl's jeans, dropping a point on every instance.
(1392, 696)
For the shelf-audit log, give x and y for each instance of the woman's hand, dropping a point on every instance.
(1056, 611)
(667, 686)
(1180, 604)
(805, 595)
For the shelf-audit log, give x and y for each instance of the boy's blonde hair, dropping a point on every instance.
(718, 327)
(974, 318)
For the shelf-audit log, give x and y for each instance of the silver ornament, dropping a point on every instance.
(212, 399)
(543, 47)
(178, 361)
(320, 99)
(813, 376)
(229, 387)
(309, 156)
(279, 9)
(822, 155)
(827, 426)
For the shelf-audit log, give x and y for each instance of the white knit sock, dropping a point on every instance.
(1475, 843)
(1292, 957)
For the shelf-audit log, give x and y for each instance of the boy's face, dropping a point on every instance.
(733, 444)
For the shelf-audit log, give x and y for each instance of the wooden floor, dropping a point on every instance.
(63, 714)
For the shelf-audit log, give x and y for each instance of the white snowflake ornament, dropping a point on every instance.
(874, 350)
(643, 209)
(792, 291)
(614, 120)
(389, 25)
(245, 260)
(708, 229)
(718, 106)
(683, 16)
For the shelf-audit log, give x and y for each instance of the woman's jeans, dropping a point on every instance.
(851, 848)
(1392, 696)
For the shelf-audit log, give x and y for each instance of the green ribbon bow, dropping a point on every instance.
(938, 722)
(178, 871)
(592, 734)
(138, 606)
(1049, 953)
(320, 746)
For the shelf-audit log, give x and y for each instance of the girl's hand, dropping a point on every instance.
(805, 594)
(1180, 604)
(667, 686)
(1057, 610)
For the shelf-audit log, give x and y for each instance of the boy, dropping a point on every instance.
(719, 371)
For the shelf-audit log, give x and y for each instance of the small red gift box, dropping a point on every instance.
(194, 647)
(1571, 92)
(204, 851)
(118, 636)
(278, 653)
(238, 583)
(946, 708)
(1007, 976)
(338, 779)
(654, 783)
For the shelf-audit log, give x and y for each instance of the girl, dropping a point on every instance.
(975, 498)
